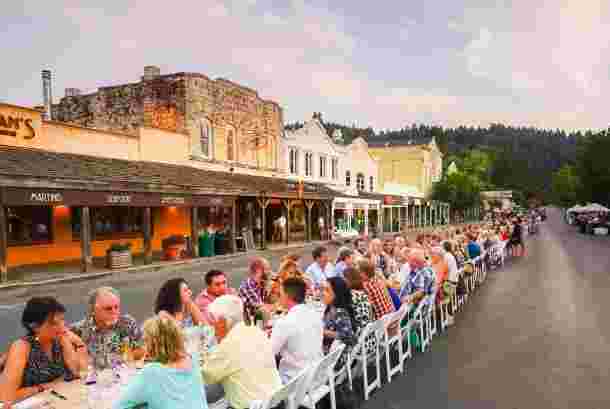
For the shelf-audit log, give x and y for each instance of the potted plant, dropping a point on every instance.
(119, 255)
(173, 246)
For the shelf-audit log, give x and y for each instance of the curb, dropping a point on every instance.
(151, 267)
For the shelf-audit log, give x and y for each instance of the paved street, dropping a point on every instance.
(533, 337)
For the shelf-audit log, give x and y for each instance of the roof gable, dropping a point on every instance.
(313, 136)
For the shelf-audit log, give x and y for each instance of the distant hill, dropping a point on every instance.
(524, 158)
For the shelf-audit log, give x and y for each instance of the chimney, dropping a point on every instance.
(151, 72)
(72, 92)
(47, 95)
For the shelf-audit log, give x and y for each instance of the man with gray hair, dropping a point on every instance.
(421, 280)
(105, 330)
(243, 361)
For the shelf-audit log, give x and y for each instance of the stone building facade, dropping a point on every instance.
(226, 123)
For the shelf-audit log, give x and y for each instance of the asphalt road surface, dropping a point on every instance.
(534, 336)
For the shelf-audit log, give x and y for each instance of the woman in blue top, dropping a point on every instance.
(173, 379)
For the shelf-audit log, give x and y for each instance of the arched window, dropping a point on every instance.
(230, 144)
(206, 138)
(348, 178)
(360, 181)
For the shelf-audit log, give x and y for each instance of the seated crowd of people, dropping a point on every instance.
(250, 362)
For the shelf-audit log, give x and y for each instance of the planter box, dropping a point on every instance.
(174, 252)
(119, 259)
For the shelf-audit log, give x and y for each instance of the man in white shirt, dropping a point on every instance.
(246, 370)
(320, 270)
(296, 337)
(453, 271)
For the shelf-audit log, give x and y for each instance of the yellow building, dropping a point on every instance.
(414, 164)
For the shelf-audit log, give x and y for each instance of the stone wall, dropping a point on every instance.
(239, 120)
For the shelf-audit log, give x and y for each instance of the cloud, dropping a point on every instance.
(477, 61)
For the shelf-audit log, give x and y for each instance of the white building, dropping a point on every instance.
(310, 154)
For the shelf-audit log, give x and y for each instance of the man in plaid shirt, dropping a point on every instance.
(252, 290)
(375, 289)
(421, 281)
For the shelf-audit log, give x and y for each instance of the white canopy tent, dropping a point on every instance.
(594, 207)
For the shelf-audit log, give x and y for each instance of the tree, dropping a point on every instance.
(592, 168)
(462, 190)
(565, 186)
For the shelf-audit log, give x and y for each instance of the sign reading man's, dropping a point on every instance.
(10, 125)
(18, 122)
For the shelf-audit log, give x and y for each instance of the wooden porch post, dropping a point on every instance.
(309, 204)
(3, 244)
(147, 238)
(264, 203)
(233, 225)
(194, 230)
(85, 239)
(327, 219)
(287, 205)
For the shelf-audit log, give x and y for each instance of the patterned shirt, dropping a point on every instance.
(379, 297)
(41, 368)
(339, 321)
(101, 343)
(252, 294)
(421, 279)
(363, 314)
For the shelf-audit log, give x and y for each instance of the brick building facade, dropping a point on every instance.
(226, 122)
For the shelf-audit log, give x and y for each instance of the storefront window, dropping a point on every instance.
(387, 219)
(30, 225)
(395, 219)
(111, 222)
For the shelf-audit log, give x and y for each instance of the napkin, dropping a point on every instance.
(33, 402)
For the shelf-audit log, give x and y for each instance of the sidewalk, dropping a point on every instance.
(45, 274)
(33, 275)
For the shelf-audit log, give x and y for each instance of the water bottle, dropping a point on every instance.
(94, 396)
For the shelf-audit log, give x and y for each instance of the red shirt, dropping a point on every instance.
(379, 297)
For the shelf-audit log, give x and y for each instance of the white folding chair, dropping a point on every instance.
(220, 404)
(360, 355)
(419, 318)
(392, 336)
(293, 393)
(444, 309)
(430, 317)
(405, 333)
(321, 380)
